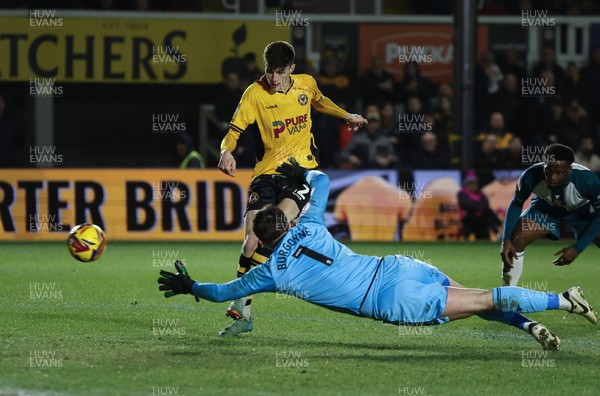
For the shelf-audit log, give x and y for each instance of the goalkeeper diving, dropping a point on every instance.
(307, 261)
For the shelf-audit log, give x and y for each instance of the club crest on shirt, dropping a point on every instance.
(302, 99)
(253, 198)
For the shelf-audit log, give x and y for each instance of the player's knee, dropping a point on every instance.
(519, 242)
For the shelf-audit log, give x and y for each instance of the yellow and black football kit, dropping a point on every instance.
(285, 130)
(283, 120)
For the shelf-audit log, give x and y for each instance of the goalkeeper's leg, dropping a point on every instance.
(545, 337)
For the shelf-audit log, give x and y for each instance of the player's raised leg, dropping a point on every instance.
(252, 255)
(512, 251)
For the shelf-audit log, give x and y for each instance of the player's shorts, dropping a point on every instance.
(271, 189)
(411, 292)
(579, 220)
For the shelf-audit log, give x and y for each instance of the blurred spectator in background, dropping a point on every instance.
(487, 81)
(586, 156)
(11, 136)
(414, 84)
(489, 156)
(428, 155)
(443, 91)
(190, 158)
(250, 71)
(489, 72)
(591, 78)
(574, 87)
(389, 119)
(227, 99)
(547, 63)
(496, 127)
(444, 123)
(573, 125)
(410, 126)
(509, 64)
(514, 154)
(385, 158)
(335, 85)
(362, 151)
(475, 213)
(543, 112)
(509, 102)
(378, 85)
(328, 137)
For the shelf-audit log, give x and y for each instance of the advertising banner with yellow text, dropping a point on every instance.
(129, 204)
(45, 48)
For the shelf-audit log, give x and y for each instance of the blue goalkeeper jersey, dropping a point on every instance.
(307, 263)
(580, 199)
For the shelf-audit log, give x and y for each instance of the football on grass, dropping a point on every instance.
(86, 242)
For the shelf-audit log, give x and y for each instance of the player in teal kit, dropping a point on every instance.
(564, 193)
(308, 262)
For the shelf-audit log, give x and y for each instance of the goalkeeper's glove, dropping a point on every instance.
(293, 171)
(179, 283)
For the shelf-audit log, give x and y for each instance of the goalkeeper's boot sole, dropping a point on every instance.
(547, 339)
(236, 309)
(239, 326)
(579, 304)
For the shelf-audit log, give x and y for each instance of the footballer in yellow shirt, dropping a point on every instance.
(279, 104)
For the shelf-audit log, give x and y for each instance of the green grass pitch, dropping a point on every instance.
(71, 328)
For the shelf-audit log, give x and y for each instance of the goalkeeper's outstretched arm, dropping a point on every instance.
(257, 280)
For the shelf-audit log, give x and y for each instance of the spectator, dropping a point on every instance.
(509, 64)
(547, 63)
(334, 85)
(250, 71)
(509, 102)
(444, 121)
(414, 84)
(514, 154)
(490, 72)
(389, 120)
(364, 147)
(544, 112)
(496, 127)
(591, 79)
(410, 125)
(377, 84)
(573, 125)
(586, 156)
(444, 91)
(189, 157)
(328, 138)
(574, 87)
(487, 81)
(489, 156)
(474, 208)
(428, 155)
(227, 99)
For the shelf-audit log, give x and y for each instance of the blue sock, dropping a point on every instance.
(509, 318)
(553, 301)
(518, 299)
